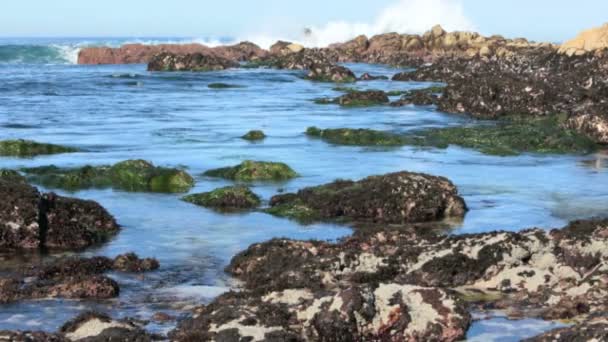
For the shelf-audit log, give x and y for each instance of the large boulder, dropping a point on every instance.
(190, 62)
(31, 220)
(393, 198)
(587, 41)
(383, 312)
(71, 278)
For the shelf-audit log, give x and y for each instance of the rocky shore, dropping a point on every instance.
(398, 277)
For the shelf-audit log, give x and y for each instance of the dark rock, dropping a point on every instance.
(367, 77)
(130, 262)
(250, 170)
(393, 198)
(30, 220)
(227, 198)
(189, 62)
(27, 148)
(363, 98)
(330, 73)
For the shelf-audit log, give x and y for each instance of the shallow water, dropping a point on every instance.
(121, 112)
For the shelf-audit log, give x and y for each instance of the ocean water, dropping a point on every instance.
(120, 112)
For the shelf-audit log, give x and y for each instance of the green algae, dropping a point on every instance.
(295, 210)
(250, 170)
(356, 137)
(223, 86)
(505, 138)
(12, 176)
(226, 198)
(28, 148)
(254, 135)
(130, 175)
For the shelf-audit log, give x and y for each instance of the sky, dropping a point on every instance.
(540, 20)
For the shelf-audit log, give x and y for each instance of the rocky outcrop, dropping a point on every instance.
(139, 53)
(31, 220)
(382, 312)
(71, 278)
(393, 198)
(587, 41)
(189, 62)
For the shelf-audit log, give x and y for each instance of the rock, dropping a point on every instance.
(393, 198)
(223, 86)
(383, 312)
(282, 48)
(250, 170)
(419, 97)
(129, 175)
(12, 176)
(130, 262)
(586, 41)
(437, 31)
(142, 54)
(30, 336)
(355, 137)
(98, 327)
(368, 77)
(227, 198)
(331, 73)
(27, 148)
(30, 220)
(189, 62)
(162, 317)
(71, 278)
(595, 329)
(362, 98)
(594, 126)
(254, 135)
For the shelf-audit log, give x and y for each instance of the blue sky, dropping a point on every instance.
(535, 19)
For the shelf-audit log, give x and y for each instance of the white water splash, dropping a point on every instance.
(404, 16)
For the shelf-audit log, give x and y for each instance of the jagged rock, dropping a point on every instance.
(189, 62)
(330, 73)
(71, 278)
(587, 41)
(393, 198)
(382, 312)
(30, 220)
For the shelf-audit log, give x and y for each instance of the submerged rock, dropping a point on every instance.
(130, 175)
(12, 176)
(250, 170)
(367, 77)
(227, 198)
(223, 86)
(29, 148)
(31, 220)
(71, 278)
(356, 137)
(190, 62)
(330, 73)
(393, 198)
(357, 98)
(254, 135)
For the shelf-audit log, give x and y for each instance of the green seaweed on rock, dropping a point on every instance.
(250, 170)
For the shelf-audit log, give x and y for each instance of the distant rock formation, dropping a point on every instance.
(139, 53)
(587, 41)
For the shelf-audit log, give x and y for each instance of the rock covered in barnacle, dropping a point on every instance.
(190, 62)
(71, 277)
(95, 326)
(400, 197)
(31, 220)
(380, 312)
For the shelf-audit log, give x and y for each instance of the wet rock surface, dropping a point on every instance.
(251, 170)
(405, 283)
(28, 148)
(189, 62)
(130, 175)
(393, 198)
(31, 220)
(229, 198)
(330, 73)
(70, 278)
